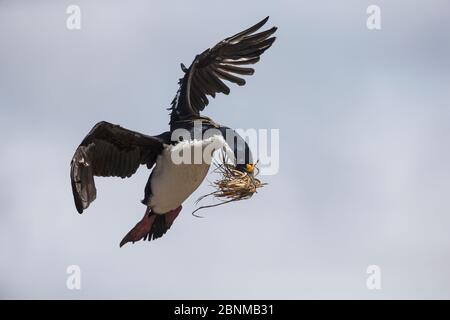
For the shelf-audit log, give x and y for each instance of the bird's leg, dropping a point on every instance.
(141, 229)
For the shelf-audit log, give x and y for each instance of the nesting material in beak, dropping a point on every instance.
(233, 185)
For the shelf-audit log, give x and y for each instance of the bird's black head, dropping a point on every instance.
(241, 150)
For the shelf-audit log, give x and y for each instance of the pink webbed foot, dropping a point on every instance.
(141, 229)
(152, 226)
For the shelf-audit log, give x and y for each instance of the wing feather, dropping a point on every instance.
(109, 151)
(223, 62)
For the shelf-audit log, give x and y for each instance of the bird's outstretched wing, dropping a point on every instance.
(225, 61)
(109, 151)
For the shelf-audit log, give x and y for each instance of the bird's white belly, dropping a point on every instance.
(173, 183)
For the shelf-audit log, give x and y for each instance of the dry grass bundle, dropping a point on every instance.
(233, 185)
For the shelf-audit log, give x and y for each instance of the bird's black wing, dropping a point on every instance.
(109, 151)
(227, 60)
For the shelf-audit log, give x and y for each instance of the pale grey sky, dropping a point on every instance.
(364, 119)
